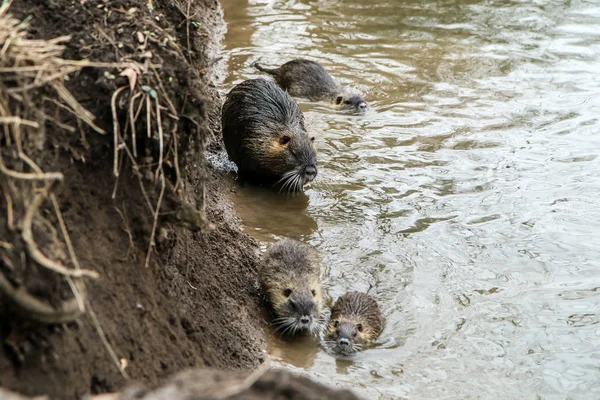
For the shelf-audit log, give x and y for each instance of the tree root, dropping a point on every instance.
(37, 310)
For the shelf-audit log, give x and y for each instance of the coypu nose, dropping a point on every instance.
(310, 172)
(305, 320)
(362, 106)
(343, 342)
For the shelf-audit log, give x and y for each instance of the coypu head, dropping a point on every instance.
(264, 134)
(291, 154)
(355, 322)
(351, 102)
(290, 273)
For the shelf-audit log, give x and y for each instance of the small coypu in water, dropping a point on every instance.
(290, 272)
(308, 79)
(264, 135)
(354, 323)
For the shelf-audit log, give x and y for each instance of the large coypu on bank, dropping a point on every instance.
(290, 272)
(264, 135)
(308, 79)
(355, 322)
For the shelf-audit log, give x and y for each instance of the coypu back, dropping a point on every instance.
(264, 134)
(288, 259)
(304, 78)
(308, 79)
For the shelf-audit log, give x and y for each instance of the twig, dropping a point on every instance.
(132, 121)
(9, 207)
(107, 345)
(148, 116)
(37, 310)
(160, 139)
(164, 93)
(18, 121)
(42, 82)
(176, 157)
(136, 168)
(77, 109)
(158, 203)
(36, 254)
(127, 231)
(187, 29)
(27, 176)
(113, 107)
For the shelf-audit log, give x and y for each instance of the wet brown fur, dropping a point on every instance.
(289, 264)
(356, 308)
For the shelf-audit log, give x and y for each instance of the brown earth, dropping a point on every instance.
(197, 303)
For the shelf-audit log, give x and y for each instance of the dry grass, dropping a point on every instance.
(26, 66)
(30, 70)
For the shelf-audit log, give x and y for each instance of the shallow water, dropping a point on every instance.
(468, 196)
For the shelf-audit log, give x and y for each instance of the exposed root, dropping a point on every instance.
(35, 253)
(127, 231)
(37, 310)
(105, 341)
(160, 197)
(27, 65)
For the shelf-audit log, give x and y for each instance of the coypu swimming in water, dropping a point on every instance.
(308, 79)
(291, 277)
(354, 323)
(264, 135)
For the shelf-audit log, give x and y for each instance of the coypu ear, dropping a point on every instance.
(287, 292)
(359, 327)
(285, 139)
(339, 100)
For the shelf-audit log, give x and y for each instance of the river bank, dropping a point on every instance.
(188, 300)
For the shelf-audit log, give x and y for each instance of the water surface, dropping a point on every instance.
(468, 196)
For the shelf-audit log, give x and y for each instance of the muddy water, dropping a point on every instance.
(468, 196)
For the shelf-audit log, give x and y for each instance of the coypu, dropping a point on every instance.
(291, 277)
(264, 135)
(354, 323)
(308, 79)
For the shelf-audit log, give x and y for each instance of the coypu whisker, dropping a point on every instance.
(265, 135)
(285, 176)
(290, 183)
(290, 273)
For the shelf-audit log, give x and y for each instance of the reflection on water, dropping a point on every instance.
(267, 213)
(468, 195)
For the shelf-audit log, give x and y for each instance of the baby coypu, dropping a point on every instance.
(264, 135)
(291, 277)
(308, 79)
(354, 323)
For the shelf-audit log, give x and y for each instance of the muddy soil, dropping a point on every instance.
(196, 303)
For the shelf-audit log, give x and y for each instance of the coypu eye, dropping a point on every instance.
(314, 292)
(287, 292)
(339, 100)
(312, 139)
(336, 323)
(284, 140)
(359, 327)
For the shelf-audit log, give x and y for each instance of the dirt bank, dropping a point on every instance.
(196, 302)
